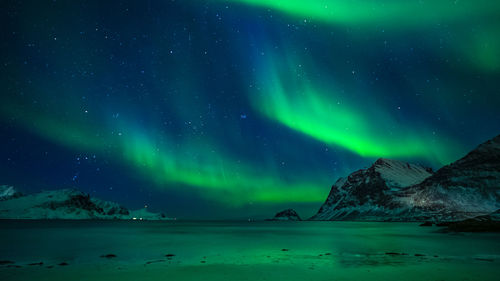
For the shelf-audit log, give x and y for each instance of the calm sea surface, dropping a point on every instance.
(137, 250)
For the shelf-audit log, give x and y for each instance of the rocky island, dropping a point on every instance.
(286, 215)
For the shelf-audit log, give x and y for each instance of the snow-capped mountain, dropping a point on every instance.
(466, 188)
(8, 192)
(368, 194)
(66, 204)
(394, 190)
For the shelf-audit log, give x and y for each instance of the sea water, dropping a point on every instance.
(173, 250)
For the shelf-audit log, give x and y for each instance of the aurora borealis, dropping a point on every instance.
(231, 109)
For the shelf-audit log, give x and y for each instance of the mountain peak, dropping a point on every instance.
(494, 143)
(396, 190)
(383, 161)
(370, 189)
(485, 154)
(400, 174)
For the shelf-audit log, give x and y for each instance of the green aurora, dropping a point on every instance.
(333, 118)
(479, 43)
(250, 102)
(195, 164)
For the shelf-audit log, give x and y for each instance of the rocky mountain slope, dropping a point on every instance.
(394, 190)
(287, 215)
(466, 188)
(65, 204)
(368, 194)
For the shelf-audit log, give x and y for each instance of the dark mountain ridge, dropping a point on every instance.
(395, 190)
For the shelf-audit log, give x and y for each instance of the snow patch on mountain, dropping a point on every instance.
(401, 174)
(8, 192)
(395, 190)
(368, 194)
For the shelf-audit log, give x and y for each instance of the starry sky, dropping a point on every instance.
(236, 109)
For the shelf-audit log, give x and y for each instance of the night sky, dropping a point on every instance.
(237, 109)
